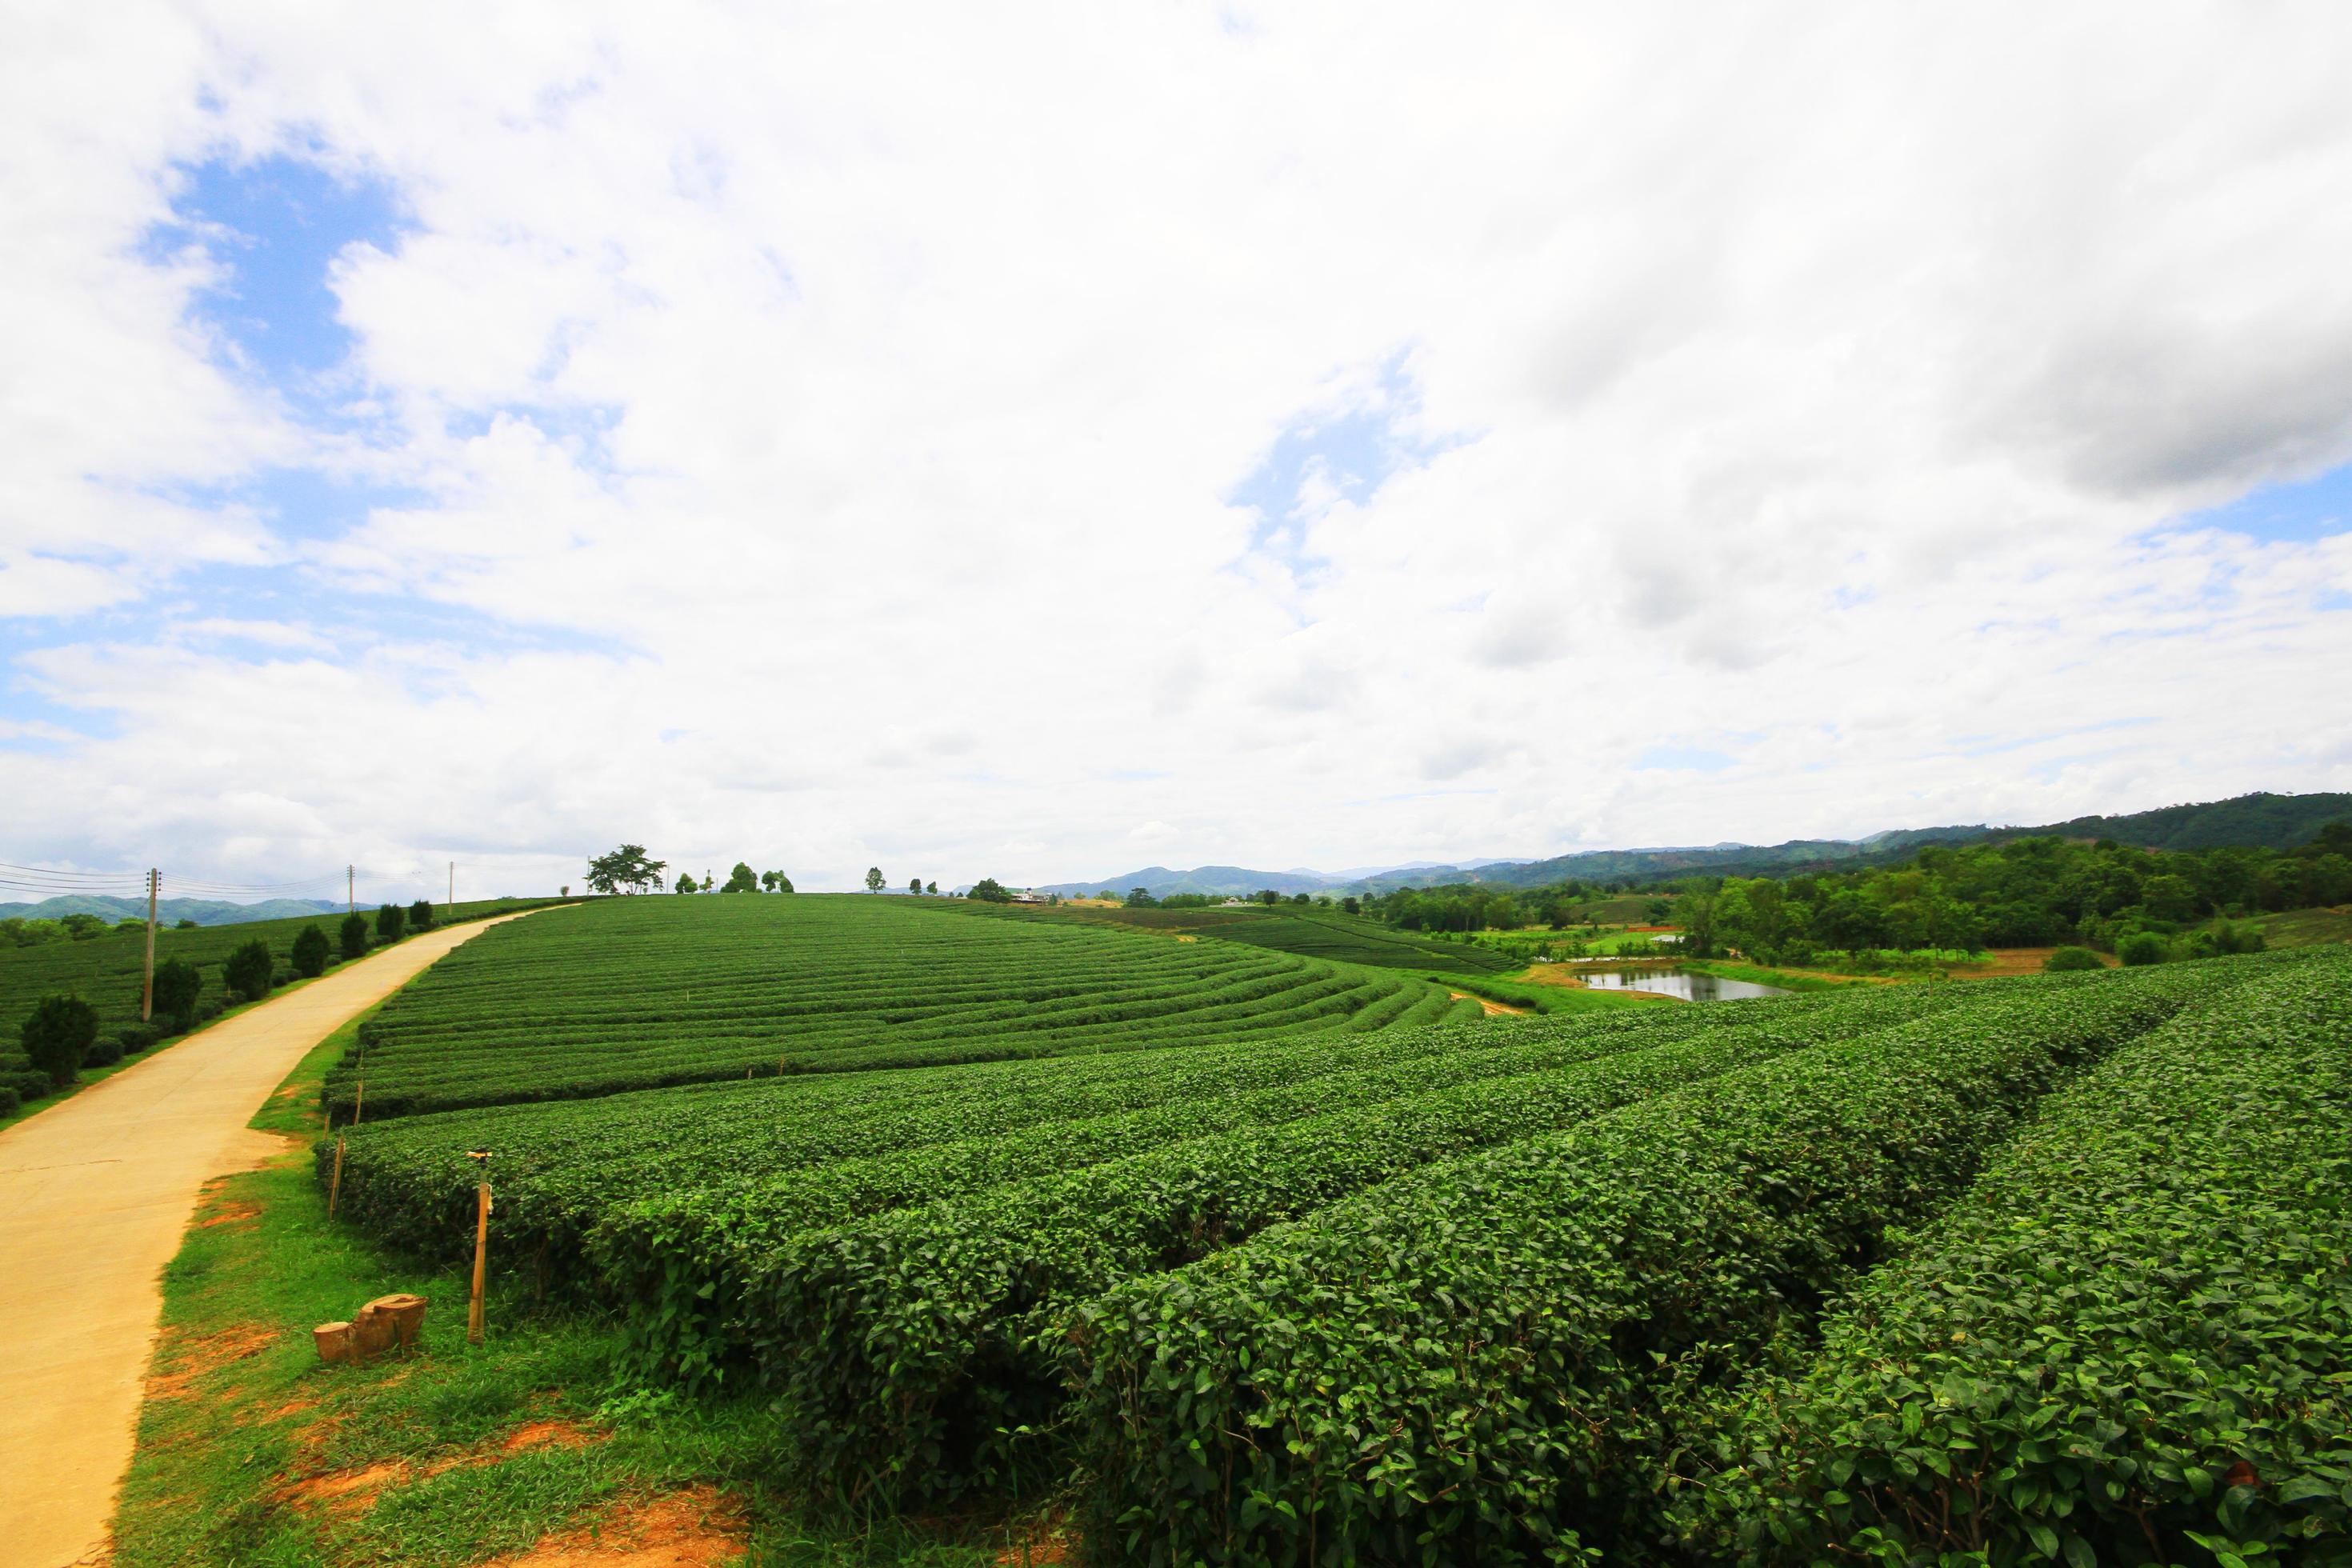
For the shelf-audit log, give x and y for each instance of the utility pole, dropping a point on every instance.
(351, 876)
(451, 913)
(147, 990)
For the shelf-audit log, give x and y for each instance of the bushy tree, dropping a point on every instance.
(58, 1034)
(310, 953)
(915, 885)
(178, 983)
(420, 915)
(1268, 897)
(251, 971)
(391, 924)
(1139, 898)
(626, 871)
(874, 879)
(742, 880)
(1352, 904)
(687, 884)
(352, 936)
(988, 890)
(2143, 947)
(2067, 960)
(183, 925)
(930, 886)
(83, 928)
(783, 883)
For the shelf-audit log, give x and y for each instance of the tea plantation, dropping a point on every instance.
(642, 992)
(1246, 1258)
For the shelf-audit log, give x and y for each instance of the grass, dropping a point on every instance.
(2302, 927)
(1539, 996)
(252, 1452)
(1306, 930)
(1787, 979)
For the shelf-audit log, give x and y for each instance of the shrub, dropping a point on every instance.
(104, 1051)
(420, 915)
(137, 1037)
(354, 936)
(60, 1030)
(2225, 937)
(10, 1101)
(2143, 947)
(391, 924)
(310, 953)
(250, 971)
(2068, 959)
(177, 985)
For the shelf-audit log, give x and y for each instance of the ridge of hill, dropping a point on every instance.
(204, 911)
(2260, 820)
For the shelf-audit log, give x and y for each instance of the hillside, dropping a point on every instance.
(170, 911)
(2261, 820)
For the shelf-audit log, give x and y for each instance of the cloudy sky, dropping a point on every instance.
(1041, 441)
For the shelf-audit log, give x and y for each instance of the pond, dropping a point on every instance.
(1675, 981)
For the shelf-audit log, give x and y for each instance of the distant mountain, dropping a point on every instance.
(2257, 821)
(168, 911)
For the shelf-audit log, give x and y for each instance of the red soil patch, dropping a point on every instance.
(547, 1435)
(1493, 1009)
(345, 1491)
(191, 1359)
(232, 1213)
(697, 1527)
(2008, 961)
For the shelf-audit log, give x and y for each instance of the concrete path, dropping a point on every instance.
(95, 1193)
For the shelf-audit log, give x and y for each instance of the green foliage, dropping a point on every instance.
(178, 984)
(988, 890)
(56, 1034)
(741, 880)
(391, 924)
(351, 936)
(874, 879)
(310, 953)
(420, 915)
(629, 993)
(1542, 1308)
(2125, 1343)
(1141, 899)
(626, 871)
(250, 972)
(686, 884)
(2068, 959)
(2142, 948)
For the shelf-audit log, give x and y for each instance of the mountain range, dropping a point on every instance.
(2261, 820)
(168, 911)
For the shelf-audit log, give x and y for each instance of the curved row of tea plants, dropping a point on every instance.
(921, 1347)
(560, 1165)
(640, 994)
(1471, 1364)
(2131, 1343)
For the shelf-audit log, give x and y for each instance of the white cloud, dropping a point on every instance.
(851, 398)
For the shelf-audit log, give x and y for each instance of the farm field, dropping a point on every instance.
(1331, 934)
(630, 994)
(968, 1284)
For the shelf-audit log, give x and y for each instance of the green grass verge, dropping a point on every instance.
(1540, 998)
(1787, 980)
(246, 1434)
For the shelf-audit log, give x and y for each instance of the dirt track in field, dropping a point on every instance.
(95, 1193)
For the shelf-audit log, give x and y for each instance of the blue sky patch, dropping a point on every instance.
(275, 227)
(2288, 513)
(1682, 759)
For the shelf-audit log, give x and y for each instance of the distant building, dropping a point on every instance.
(1028, 896)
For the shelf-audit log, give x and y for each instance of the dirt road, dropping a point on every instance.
(94, 1195)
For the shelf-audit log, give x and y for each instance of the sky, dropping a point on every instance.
(1040, 442)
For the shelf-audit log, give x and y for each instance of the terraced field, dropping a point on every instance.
(629, 994)
(1310, 932)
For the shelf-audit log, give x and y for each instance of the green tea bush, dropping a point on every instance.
(310, 953)
(2128, 1343)
(1479, 1362)
(56, 1036)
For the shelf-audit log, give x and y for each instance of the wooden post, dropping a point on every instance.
(482, 1258)
(359, 1099)
(335, 1187)
(147, 991)
(481, 1158)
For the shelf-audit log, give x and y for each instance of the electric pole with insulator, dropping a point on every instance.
(147, 989)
